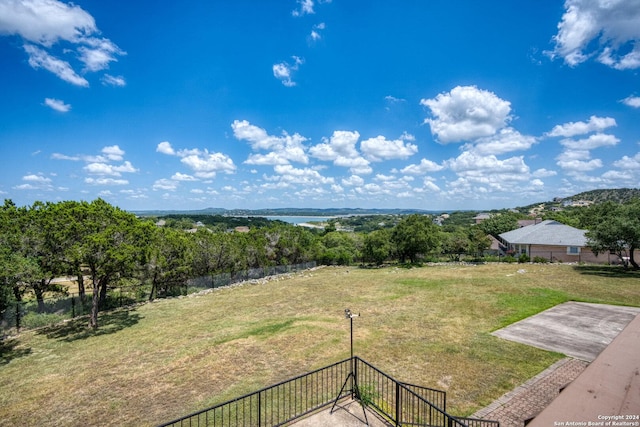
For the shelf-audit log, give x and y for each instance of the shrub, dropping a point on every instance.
(540, 260)
(510, 259)
(37, 320)
(523, 258)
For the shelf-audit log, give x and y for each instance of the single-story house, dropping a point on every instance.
(553, 241)
(481, 217)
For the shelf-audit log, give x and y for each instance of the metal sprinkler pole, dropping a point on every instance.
(351, 320)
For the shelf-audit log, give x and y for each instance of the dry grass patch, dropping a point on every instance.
(429, 326)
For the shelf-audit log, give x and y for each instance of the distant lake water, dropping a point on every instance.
(299, 219)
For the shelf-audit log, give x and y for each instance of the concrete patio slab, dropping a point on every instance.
(576, 329)
(348, 413)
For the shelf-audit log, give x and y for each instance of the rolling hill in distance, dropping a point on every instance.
(618, 195)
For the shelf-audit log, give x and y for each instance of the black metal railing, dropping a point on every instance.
(277, 404)
(402, 404)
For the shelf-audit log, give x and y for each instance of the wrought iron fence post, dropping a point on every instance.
(355, 379)
(18, 316)
(398, 404)
(73, 307)
(260, 409)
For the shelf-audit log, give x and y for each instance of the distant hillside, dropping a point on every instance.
(619, 195)
(285, 212)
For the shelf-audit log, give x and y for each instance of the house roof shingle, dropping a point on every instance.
(547, 232)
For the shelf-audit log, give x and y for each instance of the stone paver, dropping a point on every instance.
(529, 399)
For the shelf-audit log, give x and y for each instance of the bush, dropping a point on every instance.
(36, 320)
(540, 260)
(523, 258)
(510, 259)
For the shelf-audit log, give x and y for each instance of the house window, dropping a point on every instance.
(573, 250)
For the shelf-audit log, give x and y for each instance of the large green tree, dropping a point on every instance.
(499, 223)
(455, 243)
(415, 235)
(24, 267)
(615, 228)
(377, 246)
(168, 260)
(113, 248)
(340, 247)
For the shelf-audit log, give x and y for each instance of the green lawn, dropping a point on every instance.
(429, 326)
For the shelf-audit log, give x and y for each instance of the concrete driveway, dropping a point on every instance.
(576, 329)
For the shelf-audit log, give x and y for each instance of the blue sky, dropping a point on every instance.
(434, 105)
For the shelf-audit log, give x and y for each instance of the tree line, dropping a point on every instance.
(111, 247)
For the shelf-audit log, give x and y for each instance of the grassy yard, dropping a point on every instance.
(429, 326)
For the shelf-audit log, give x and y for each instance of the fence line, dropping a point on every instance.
(27, 313)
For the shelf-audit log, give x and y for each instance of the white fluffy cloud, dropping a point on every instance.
(113, 152)
(109, 80)
(505, 141)
(466, 113)
(283, 71)
(282, 149)
(35, 182)
(106, 181)
(165, 148)
(353, 181)
(379, 148)
(306, 8)
(628, 163)
(341, 150)
(57, 104)
(578, 161)
(544, 173)
(45, 23)
(102, 165)
(592, 142)
(576, 157)
(38, 58)
(594, 124)
(315, 32)
(632, 101)
(207, 165)
(473, 165)
(601, 29)
(165, 185)
(424, 167)
(108, 169)
(202, 162)
(305, 176)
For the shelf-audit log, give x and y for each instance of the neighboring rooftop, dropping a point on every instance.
(547, 232)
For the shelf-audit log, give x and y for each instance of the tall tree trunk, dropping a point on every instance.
(154, 287)
(103, 291)
(38, 289)
(93, 319)
(632, 259)
(81, 291)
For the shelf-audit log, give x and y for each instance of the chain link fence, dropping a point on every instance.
(28, 314)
